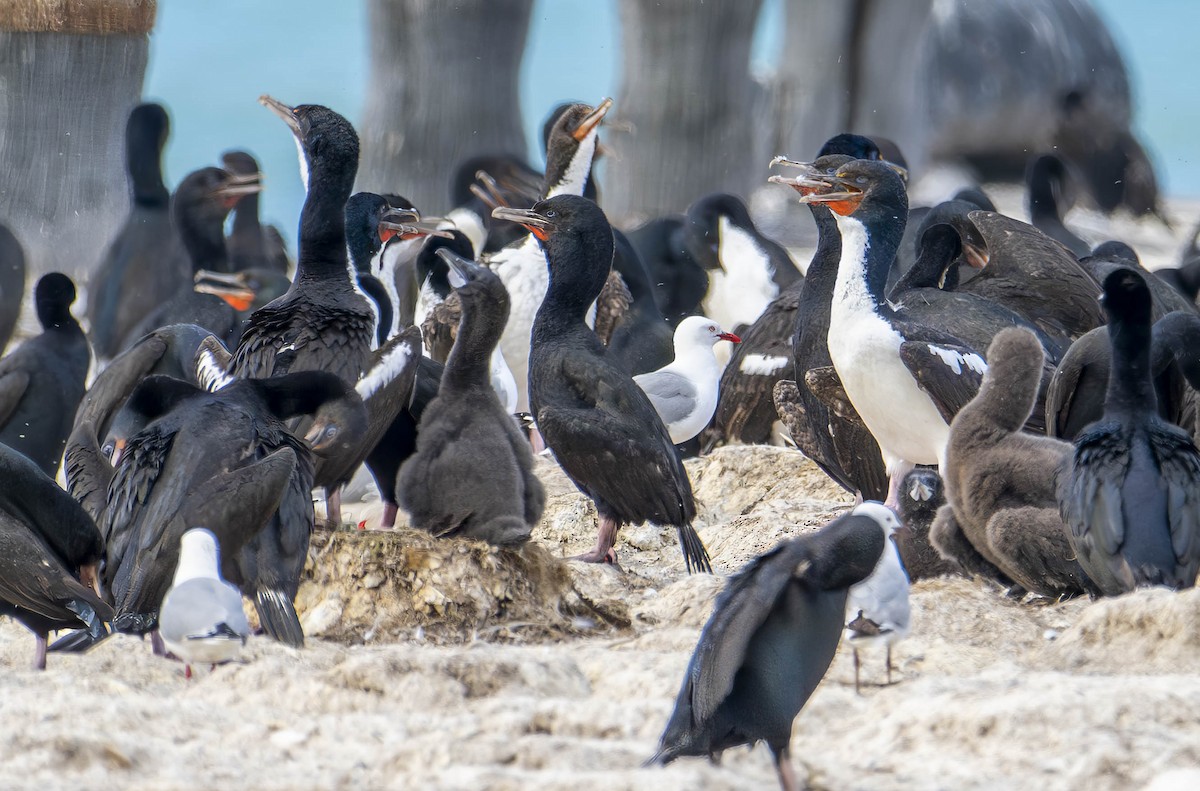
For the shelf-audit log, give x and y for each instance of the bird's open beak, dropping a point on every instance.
(238, 186)
(590, 121)
(806, 182)
(287, 113)
(840, 194)
(231, 288)
(729, 336)
(407, 224)
(89, 575)
(535, 223)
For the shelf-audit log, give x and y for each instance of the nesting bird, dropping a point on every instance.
(201, 619)
(472, 474)
(1131, 493)
(923, 494)
(685, 392)
(1001, 482)
(770, 639)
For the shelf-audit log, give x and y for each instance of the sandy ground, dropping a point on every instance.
(447, 665)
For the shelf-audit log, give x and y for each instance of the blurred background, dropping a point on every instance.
(705, 93)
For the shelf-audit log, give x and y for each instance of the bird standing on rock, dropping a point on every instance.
(600, 425)
(684, 393)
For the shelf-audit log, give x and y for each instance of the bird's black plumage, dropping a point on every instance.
(224, 459)
(679, 280)
(42, 381)
(399, 440)
(47, 543)
(1046, 179)
(322, 323)
(602, 428)
(198, 209)
(472, 473)
(12, 284)
(252, 246)
(746, 407)
(769, 641)
(642, 339)
(1131, 496)
(1031, 274)
(145, 264)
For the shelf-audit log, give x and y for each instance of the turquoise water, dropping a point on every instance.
(210, 61)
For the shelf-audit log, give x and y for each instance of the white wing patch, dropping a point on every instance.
(762, 364)
(209, 373)
(391, 366)
(955, 360)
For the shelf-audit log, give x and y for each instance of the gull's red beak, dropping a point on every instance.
(729, 336)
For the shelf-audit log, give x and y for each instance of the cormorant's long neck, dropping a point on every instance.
(868, 249)
(1130, 388)
(822, 270)
(1042, 203)
(322, 253)
(145, 174)
(55, 317)
(567, 174)
(469, 362)
(245, 219)
(203, 240)
(812, 329)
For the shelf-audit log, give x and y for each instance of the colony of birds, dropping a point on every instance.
(1005, 402)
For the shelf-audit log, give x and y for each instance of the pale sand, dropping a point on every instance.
(453, 669)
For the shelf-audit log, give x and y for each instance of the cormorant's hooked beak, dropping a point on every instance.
(321, 436)
(286, 112)
(806, 182)
(230, 287)
(535, 223)
(407, 224)
(462, 270)
(591, 120)
(840, 194)
(238, 186)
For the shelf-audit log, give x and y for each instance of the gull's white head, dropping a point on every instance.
(701, 332)
(199, 556)
(885, 517)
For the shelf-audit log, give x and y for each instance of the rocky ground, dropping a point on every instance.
(449, 665)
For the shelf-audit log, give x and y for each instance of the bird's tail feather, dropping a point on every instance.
(278, 617)
(695, 556)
